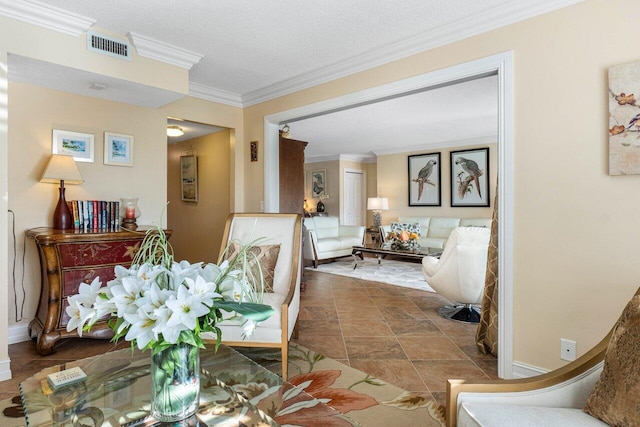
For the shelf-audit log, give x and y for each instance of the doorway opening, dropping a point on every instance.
(500, 64)
(198, 188)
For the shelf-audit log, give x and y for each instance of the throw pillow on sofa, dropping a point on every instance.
(615, 399)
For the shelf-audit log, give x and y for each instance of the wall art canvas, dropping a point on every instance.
(624, 119)
(118, 149)
(318, 183)
(76, 144)
(470, 177)
(189, 178)
(424, 180)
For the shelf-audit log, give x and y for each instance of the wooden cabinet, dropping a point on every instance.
(291, 175)
(67, 259)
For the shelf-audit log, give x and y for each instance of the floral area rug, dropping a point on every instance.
(399, 273)
(362, 399)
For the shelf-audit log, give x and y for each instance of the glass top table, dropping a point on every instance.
(381, 252)
(235, 391)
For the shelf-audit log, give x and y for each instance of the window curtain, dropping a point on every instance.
(487, 332)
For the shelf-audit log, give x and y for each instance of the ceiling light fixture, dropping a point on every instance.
(97, 86)
(174, 131)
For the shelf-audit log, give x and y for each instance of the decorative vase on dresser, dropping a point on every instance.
(67, 259)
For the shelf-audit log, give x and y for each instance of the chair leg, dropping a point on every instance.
(285, 360)
(294, 334)
(462, 313)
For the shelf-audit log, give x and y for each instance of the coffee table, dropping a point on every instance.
(381, 253)
(234, 391)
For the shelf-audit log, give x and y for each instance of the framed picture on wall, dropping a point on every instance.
(424, 180)
(470, 178)
(76, 144)
(318, 183)
(118, 149)
(189, 178)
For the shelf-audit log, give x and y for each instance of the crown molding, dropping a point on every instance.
(215, 95)
(360, 158)
(498, 17)
(164, 52)
(484, 140)
(49, 17)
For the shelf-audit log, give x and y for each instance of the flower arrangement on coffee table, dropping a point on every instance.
(164, 306)
(403, 237)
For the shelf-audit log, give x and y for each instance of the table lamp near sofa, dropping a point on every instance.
(61, 169)
(377, 205)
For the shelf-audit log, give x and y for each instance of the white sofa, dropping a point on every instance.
(325, 238)
(434, 231)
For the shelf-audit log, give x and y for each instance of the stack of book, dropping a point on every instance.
(95, 215)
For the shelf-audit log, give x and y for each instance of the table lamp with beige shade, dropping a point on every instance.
(61, 169)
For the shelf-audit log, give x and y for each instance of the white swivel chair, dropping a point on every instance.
(286, 230)
(459, 273)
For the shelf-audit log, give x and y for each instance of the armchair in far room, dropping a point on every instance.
(285, 231)
(459, 274)
(325, 239)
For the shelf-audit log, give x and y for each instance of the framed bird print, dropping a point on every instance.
(470, 178)
(424, 180)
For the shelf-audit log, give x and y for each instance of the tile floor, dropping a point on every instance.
(390, 332)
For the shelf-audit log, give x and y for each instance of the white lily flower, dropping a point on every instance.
(206, 291)
(126, 294)
(141, 329)
(79, 315)
(87, 294)
(186, 308)
(248, 327)
(169, 333)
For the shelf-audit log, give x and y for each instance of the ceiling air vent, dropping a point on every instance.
(108, 45)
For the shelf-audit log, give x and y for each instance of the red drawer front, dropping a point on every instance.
(79, 254)
(73, 278)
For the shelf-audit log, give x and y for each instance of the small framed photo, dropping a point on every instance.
(189, 178)
(318, 183)
(470, 178)
(76, 144)
(118, 149)
(424, 180)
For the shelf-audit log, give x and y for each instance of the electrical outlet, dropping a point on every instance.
(567, 350)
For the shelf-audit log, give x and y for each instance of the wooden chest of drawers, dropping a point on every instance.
(67, 259)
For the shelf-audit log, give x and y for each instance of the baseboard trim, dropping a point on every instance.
(18, 333)
(522, 370)
(5, 369)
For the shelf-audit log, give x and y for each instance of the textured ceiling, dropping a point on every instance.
(253, 50)
(249, 46)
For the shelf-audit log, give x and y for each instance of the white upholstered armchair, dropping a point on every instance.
(271, 229)
(460, 272)
(600, 388)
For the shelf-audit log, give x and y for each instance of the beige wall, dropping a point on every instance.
(332, 173)
(198, 227)
(573, 263)
(34, 112)
(393, 181)
(211, 113)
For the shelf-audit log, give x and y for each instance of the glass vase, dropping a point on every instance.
(175, 383)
